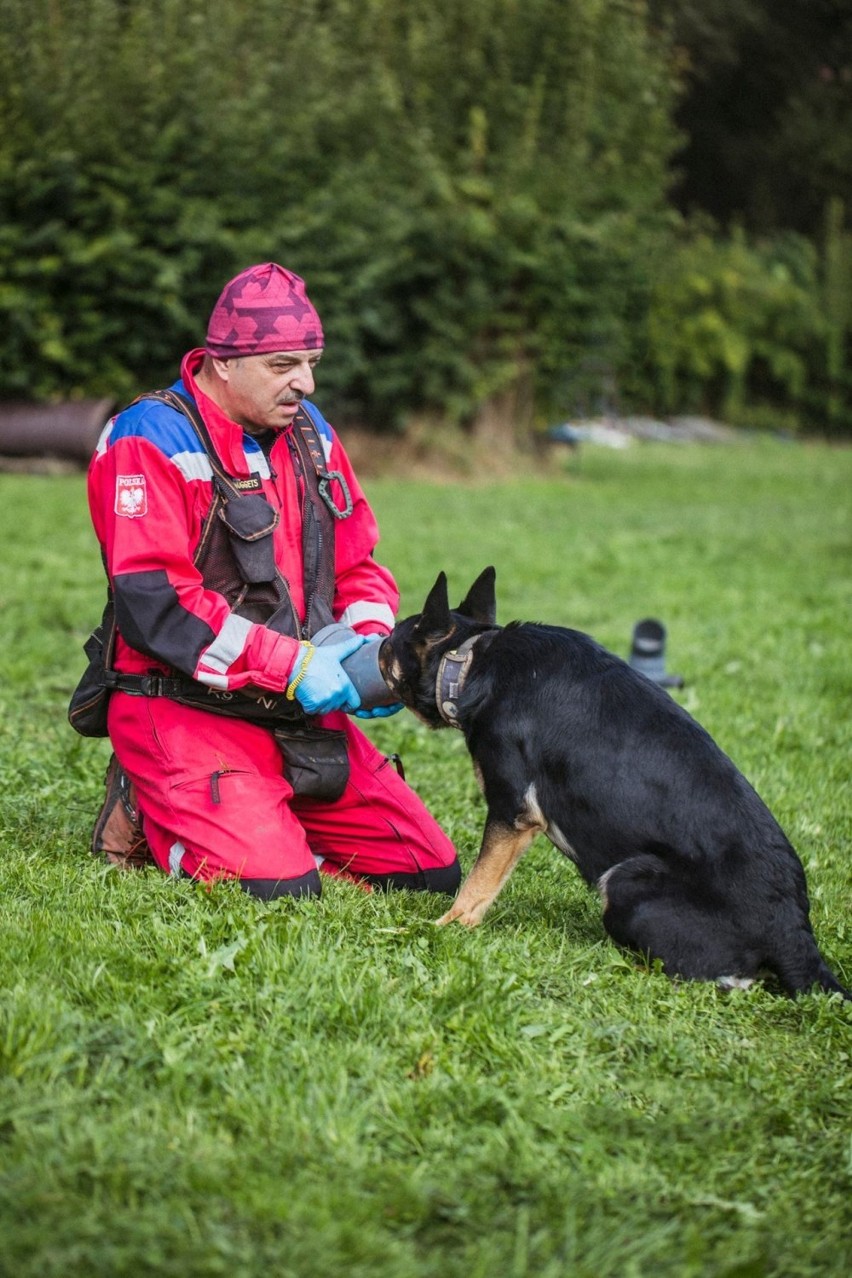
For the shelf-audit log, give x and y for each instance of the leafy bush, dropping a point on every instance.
(475, 193)
(447, 178)
(741, 329)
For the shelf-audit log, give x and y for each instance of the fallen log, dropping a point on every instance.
(67, 431)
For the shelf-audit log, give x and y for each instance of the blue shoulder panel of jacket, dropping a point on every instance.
(164, 427)
(172, 433)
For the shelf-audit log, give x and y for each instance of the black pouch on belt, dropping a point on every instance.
(316, 761)
(250, 521)
(87, 711)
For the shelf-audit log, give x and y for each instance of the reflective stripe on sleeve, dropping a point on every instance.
(194, 466)
(223, 652)
(103, 439)
(368, 610)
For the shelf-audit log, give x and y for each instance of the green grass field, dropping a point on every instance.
(195, 1083)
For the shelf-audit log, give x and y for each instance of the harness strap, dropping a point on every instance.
(308, 428)
(317, 542)
(189, 409)
(325, 477)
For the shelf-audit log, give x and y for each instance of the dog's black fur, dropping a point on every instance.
(568, 740)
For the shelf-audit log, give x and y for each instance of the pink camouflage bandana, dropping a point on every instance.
(264, 308)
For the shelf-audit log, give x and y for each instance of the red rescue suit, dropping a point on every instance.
(210, 790)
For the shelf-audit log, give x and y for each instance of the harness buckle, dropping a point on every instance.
(152, 685)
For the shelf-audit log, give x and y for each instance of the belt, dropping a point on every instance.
(149, 685)
(267, 709)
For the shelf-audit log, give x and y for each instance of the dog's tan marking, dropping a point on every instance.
(559, 841)
(502, 848)
(395, 672)
(434, 641)
(531, 813)
(535, 816)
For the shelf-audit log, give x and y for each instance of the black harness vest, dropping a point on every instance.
(235, 557)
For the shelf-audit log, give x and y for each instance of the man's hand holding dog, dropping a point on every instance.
(318, 681)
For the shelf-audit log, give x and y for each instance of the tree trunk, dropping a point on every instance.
(503, 422)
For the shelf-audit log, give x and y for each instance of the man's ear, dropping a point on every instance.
(480, 603)
(435, 620)
(220, 367)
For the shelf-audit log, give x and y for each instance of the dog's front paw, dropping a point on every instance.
(457, 913)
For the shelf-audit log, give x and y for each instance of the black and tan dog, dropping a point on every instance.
(567, 740)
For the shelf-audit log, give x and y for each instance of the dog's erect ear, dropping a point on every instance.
(435, 618)
(480, 603)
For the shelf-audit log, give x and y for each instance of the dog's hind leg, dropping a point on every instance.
(648, 908)
(502, 848)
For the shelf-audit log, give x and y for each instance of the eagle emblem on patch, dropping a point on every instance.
(131, 496)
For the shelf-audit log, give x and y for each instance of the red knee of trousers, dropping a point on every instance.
(215, 802)
(211, 791)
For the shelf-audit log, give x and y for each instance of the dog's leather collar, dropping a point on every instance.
(452, 672)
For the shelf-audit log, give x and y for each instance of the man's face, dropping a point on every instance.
(264, 391)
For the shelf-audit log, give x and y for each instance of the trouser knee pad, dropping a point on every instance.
(269, 889)
(441, 878)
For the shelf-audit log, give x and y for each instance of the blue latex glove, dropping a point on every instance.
(379, 712)
(325, 685)
(363, 669)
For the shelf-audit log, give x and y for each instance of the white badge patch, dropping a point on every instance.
(131, 496)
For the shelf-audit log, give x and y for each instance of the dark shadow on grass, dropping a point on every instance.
(580, 924)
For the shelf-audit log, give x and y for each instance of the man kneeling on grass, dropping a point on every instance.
(248, 612)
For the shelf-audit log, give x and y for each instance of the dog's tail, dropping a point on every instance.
(800, 966)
